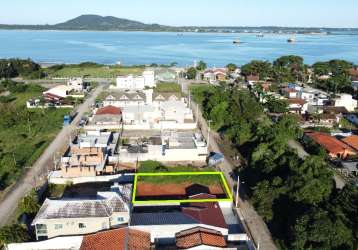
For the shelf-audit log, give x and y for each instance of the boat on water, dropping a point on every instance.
(291, 39)
(237, 41)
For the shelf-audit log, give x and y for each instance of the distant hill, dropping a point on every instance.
(110, 23)
(94, 22)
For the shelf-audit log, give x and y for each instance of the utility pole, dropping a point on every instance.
(209, 130)
(237, 191)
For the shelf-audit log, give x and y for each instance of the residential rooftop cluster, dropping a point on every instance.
(136, 121)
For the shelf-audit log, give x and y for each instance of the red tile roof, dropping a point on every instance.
(109, 110)
(352, 141)
(116, 240)
(208, 213)
(353, 71)
(296, 101)
(330, 143)
(199, 236)
(252, 78)
(289, 90)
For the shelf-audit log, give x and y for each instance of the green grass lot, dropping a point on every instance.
(157, 167)
(178, 179)
(25, 134)
(96, 71)
(168, 87)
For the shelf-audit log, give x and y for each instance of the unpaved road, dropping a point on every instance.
(39, 170)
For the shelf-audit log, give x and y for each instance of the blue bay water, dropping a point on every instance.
(163, 48)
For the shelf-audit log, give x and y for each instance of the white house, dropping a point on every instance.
(83, 215)
(76, 84)
(347, 101)
(60, 91)
(169, 147)
(130, 82)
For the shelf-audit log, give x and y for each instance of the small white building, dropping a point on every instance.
(130, 82)
(60, 91)
(347, 101)
(76, 84)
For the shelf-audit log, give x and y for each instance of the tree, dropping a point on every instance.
(261, 68)
(319, 230)
(201, 66)
(191, 73)
(289, 68)
(29, 204)
(312, 181)
(275, 105)
(231, 67)
(14, 233)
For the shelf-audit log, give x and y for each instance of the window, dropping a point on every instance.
(58, 226)
(41, 229)
(120, 219)
(81, 225)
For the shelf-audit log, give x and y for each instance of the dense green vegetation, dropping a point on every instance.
(14, 233)
(284, 69)
(297, 198)
(338, 78)
(24, 133)
(16, 67)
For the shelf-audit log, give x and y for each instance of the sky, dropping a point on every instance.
(302, 13)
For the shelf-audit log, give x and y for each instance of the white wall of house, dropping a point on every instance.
(137, 82)
(76, 84)
(155, 153)
(71, 226)
(347, 101)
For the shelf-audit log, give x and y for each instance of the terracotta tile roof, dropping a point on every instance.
(252, 78)
(330, 143)
(116, 240)
(352, 141)
(353, 71)
(289, 90)
(208, 213)
(109, 110)
(296, 101)
(199, 236)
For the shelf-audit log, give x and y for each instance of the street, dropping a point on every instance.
(38, 173)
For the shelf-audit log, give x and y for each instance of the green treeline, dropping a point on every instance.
(332, 76)
(296, 198)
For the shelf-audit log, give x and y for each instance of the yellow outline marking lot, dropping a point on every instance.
(226, 187)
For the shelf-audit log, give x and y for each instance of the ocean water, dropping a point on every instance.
(163, 48)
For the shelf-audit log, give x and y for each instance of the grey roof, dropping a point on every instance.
(170, 218)
(104, 205)
(131, 95)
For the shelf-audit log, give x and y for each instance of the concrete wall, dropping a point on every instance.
(171, 155)
(55, 178)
